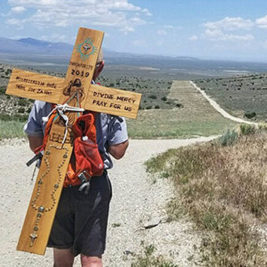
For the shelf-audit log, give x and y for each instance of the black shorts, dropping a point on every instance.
(81, 219)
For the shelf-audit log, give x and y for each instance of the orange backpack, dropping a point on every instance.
(86, 160)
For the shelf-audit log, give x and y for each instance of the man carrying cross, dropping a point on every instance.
(81, 219)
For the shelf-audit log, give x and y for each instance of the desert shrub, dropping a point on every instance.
(2, 90)
(250, 115)
(229, 138)
(263, 127)
(164, 98)
(8, 71)
(157, 107)
(152, 96)
(247, 129)
(22, 102)
(21, 110)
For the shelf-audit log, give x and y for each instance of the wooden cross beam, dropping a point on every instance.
(77, 86)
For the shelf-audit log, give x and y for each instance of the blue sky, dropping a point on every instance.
(207, 29)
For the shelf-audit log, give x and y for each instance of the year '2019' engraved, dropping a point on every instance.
(80, 73)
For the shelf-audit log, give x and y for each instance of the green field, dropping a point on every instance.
(195, 117)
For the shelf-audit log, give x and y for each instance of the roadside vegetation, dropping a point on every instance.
(222, 186)
(244, 96)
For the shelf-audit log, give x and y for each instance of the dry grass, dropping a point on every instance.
(11, 129)
(148, 259)
(224, 189)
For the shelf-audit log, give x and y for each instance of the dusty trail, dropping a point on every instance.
(136, 202)
(219, 109)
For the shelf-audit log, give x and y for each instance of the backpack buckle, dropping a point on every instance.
(85, 182)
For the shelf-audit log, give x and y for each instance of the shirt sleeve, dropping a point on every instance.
(35, 125)
(117, 133)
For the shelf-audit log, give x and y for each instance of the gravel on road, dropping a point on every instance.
(137, 212)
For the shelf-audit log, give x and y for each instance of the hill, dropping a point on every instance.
(222, 186)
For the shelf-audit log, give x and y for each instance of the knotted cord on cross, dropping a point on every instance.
(61, 109)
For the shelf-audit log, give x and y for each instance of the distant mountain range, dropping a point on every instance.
(33, 46)
(29, 51)
(30, 46)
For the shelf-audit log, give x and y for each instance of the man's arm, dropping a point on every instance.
(35, 141)
(118, 151)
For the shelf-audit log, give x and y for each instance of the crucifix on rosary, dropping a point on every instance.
(76, 88)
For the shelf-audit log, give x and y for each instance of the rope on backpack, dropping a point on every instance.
(61, 109)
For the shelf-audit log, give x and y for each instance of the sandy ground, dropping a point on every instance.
(137, 202)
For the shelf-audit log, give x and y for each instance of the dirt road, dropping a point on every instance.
(137, 202)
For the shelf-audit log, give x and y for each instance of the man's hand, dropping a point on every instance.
(35, 141)
(118, 151)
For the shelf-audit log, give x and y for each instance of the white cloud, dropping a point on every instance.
(229, 29)
(137, 21)
(193, 38)
(167, 29)
(18, 9)
(218, 35)
(112, 13)
(262, 22)
(230, 24)
(170, 27)
(13, 22)
(161, 32)
(147, 12)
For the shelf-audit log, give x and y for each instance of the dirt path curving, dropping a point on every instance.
(219, 109)
(137, 201)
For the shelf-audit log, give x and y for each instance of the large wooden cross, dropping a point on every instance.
(76, 88)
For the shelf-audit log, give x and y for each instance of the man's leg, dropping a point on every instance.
(91, 261)
(63, 257)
